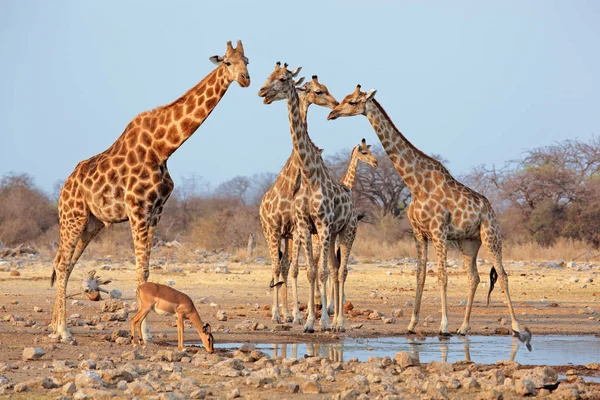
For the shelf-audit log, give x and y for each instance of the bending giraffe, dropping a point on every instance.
(130, 181)
(441, 209)
(276, 216)
(321, 201)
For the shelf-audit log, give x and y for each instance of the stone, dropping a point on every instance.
(114, 376)
(69, 388)
(138, 388)
(88, 379)
(387, 320)
(360, 383)
(133, 355)
(440, 367)
(491, 394)
(405, 359)
(115, 294)
(503, 321)
(122, 340)
(37, 309)
(471, 383)
(21, 387)
(93, 394)
(311, 387)
(573, 279)
(524, 387)
(397, 313)
(112, 305)
(198, 394)
(42, 383)
(463, 303)
(429, 319)
(120, 333)
(540, 376)
(288, 387)
(350, 394)
(221, 315)
(32, 353)
(234, 394)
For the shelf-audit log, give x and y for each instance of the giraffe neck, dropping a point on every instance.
(350, 175)
(409, 161)
(182, 117)
(307, 153)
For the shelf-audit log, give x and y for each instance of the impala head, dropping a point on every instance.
(353, 104)
(207, 338)
(279, 83)
(235, 64)
(316, 93)
(363, 152)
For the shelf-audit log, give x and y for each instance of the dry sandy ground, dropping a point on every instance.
(546, 297)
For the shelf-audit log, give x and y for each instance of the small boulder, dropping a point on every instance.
(221, 315)
(32, 353)
(405, 359)
(311, 387)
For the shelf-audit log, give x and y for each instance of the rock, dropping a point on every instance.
(115, 294)
(114, 376)
(360, 383)
(311, 387)
(37, 309)
(221, 315)
(120, 333)
(69, 388)
(573, 279)
(540, 376)
(594, 366)
(112, 305)
(133, 355)
(350, 394)
(88, 379)
(405, 359)
(524, 387)
(375, 315)
(502, 331)
(348, 306)
(198, 394)
(440, 367)
(471, 383)
(463, 303)
(86, 364)
(138, 388)
(491, 394)
(32, 353)
(503, 321)
(21, 387)
(122, 340)
(387, 320)
(14, 272)
(356, 326)
(288, 387)
(397, 313)
(429, 319)
(42, 383)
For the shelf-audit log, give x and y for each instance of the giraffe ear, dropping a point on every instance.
(299, 81)
(321, 151)
(216, 59)
(368, 146)
(371, 94)
(296, 72)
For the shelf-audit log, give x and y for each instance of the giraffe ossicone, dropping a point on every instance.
(130, 180)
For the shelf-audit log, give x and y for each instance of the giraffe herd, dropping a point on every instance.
(306, 206)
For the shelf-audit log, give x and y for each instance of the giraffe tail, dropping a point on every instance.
(53, 277)
(493, 279)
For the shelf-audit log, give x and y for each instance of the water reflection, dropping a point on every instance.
(549, 349)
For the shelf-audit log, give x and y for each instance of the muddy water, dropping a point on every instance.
(547, 350)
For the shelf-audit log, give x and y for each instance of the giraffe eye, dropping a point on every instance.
(282, 79)
(227, 63)
(319, 92)
(353, 103)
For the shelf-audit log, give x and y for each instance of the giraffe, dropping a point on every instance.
(321, 201)
(130, 180)
(441, 209)
(276, 206)
(361, 152)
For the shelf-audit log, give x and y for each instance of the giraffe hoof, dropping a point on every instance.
(444, 334)
(411, 332)
(289, 319)
(309, 330)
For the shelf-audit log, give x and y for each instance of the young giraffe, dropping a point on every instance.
(321, 201)
(360, 152)
(276, 217)
(441, 209)
(130, 181)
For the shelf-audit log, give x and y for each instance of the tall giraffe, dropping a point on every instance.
(441, 209)
(321, 201)
(130, 181)
(276, 206)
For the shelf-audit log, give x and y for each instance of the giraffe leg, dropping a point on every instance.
(71, 231)
(311, 272)
(330, 285)
(325, 240)
(469, 250)
(92, 229)
(140, 226)
(440, 244)
(421, 245)
(346, 241)
(274, 243)
(285, 269)
(294, 272)
(490, 236)
(333, 283)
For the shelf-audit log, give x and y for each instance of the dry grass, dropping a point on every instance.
(563, 249)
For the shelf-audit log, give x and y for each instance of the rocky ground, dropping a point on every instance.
(549, 297)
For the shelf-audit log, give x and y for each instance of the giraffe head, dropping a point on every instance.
(315, 92)
(353, 104)
(235, 64)
(363, 153)
(279, 84)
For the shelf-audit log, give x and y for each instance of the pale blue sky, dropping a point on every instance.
(477, 82)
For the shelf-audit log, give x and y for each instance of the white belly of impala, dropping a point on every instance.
(162, 312)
